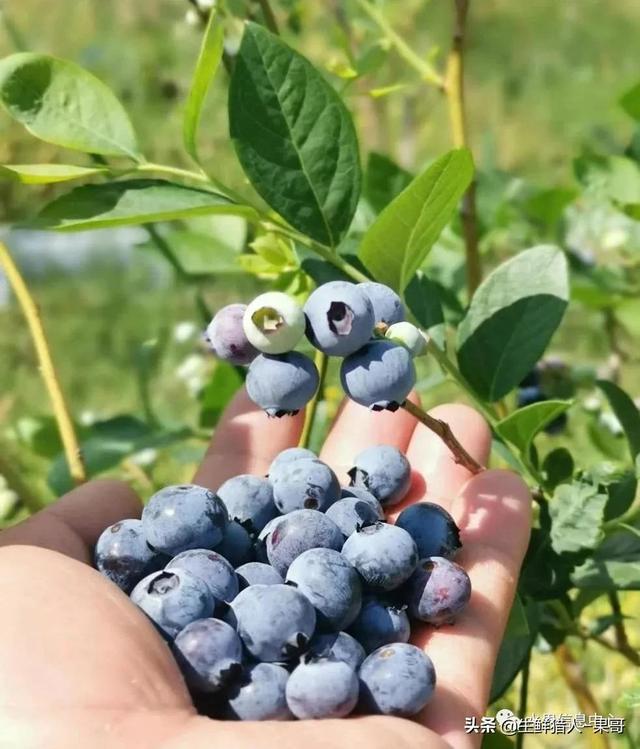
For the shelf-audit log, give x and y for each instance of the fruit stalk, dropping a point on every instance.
(443, 430)
(321, 362)
(47, 368)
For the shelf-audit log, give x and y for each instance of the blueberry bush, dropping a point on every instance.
(492, 270)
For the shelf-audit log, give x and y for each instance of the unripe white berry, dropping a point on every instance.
(274, 323)
(409, 336)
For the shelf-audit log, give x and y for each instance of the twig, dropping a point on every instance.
(524, 696)
(622, 641)
(321, 361)
(443, 430)
(571, 672)
(454, 91)
(631, 655)
(47, 368)
(269, 16)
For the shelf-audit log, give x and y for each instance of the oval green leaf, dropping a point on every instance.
(206, 67)
(511, 320)
(137, 201)
(398, 242)
(626, 411)
(61, 103)
(294, 137)
(522, 425)
(44, 174)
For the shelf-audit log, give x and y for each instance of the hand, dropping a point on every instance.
(81, 666)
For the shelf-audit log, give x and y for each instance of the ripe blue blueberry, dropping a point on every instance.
(379, 376)
(384, 555)
(366, 496)
(227, 338)
(331, 584)
(184, 517)
(432, 528)
(260, 695)
(274, 322)
(260, 544)
(258, 573)
(380, 622)
(305, 484)
(351, 513)
(387, 305)
(173, 599)
(384, 471)
(123, 555)
(438, 591)
(298, 531)
(249, 500)
(528, 395)
(210, 567)
(322, 689)
(286, 456)
(337, 646)
(209, 654)
(397, 680)
(237, 545)
(283, 384)
(275, 622)
(340, 318)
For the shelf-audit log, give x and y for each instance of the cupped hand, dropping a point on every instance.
(80, 666)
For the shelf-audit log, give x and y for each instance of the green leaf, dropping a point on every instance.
(615, 565)
(206, 67)
(398, 242)
(558, 466)
(545, 574)
(511, 319)
(630, 102)
(626, 411)
(631, 698)
(522, 425)
(61, 103)
(621, 495)
(422, 297)
(136, 201)
(577, 513)
(383, 180)
(217, 393)
(43, 174)
(294, 137)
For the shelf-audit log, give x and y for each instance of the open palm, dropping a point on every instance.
(81, 666)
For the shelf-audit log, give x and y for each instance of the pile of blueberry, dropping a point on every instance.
(289, 596)
(362, 323)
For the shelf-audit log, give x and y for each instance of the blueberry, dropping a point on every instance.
(383, 554)
(351, 513)
(227, 338)
(260, 544)
(366, 496)
(249, 500)
(286, 456)
(260, 695)
(531, 379)
(305, 484)
(340, 318)
(438, 591)
(530, 395)
(408, 335)
(274, 323)
(338, 646)
(331, 584)
(184, 517)
(173, 599)
(283, 384)
(380, 622)
(322, 689)
(257, 573)
(275, 622)
(237, 545)
(387, 305)
(432, 528)
(384, 471)
(209, 654)
(123, 555)
(298, 531)
(210, 567)
(379, 376)
(397, 680)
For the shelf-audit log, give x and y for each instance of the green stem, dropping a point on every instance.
(321, 361)
(622, 641)
(269, 16)
(201, 177)
(524, 695)
(165, 250)
(426, 70)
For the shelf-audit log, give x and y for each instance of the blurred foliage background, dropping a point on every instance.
(544, 81)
